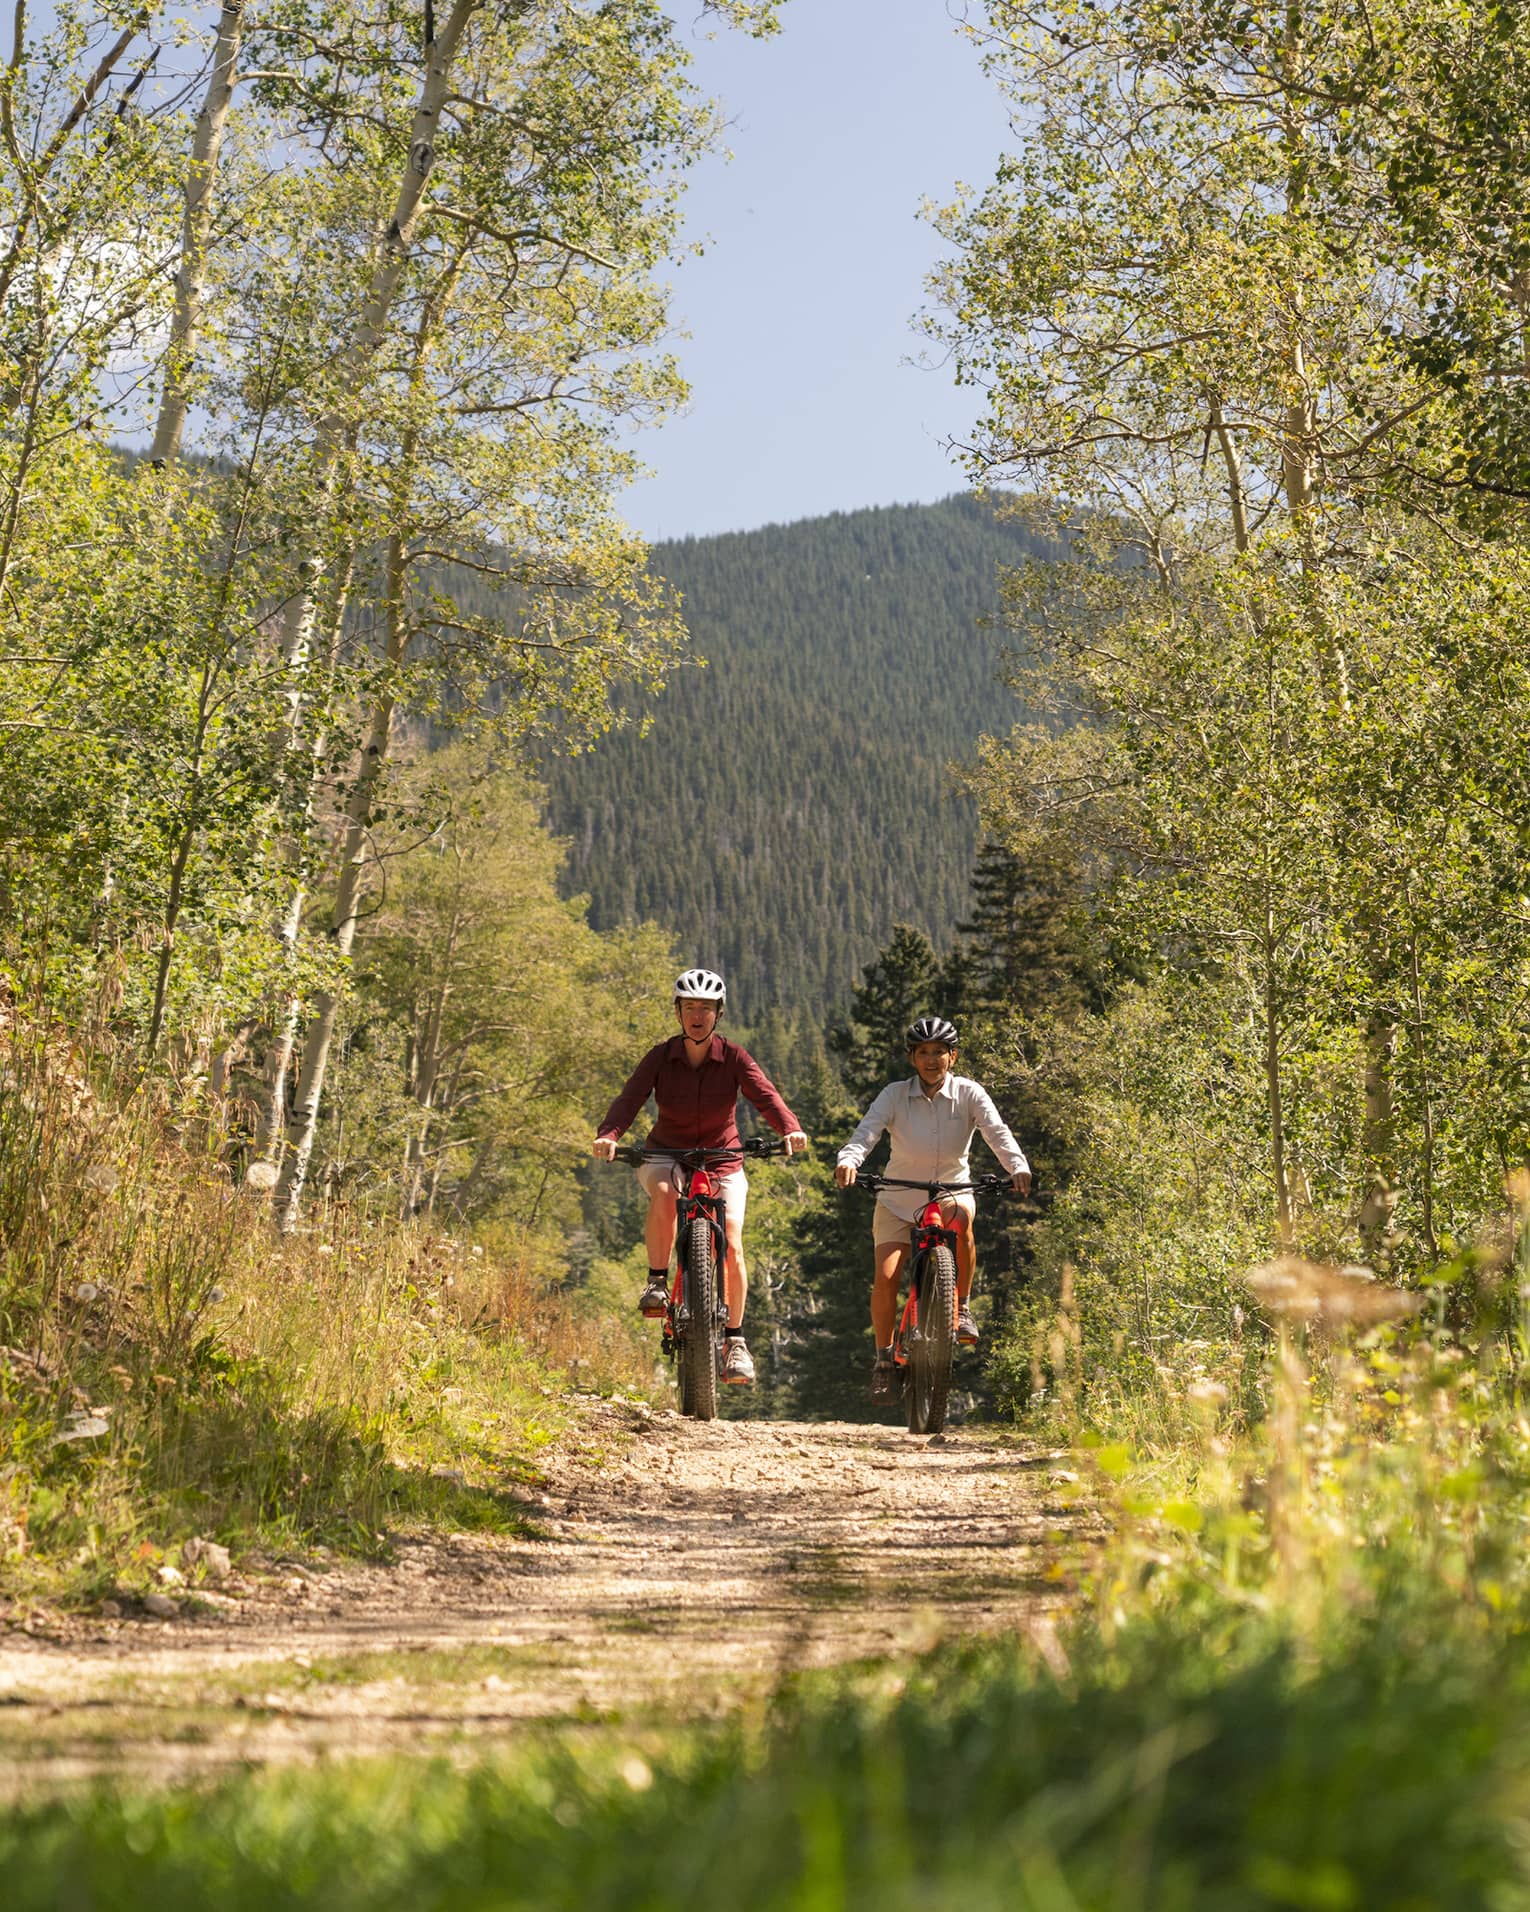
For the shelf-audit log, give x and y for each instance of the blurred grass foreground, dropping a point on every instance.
(1168, 1770)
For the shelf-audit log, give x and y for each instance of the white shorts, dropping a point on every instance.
(886, 1226)
(732, 1185)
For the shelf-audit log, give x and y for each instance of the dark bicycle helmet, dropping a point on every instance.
(930, 1029)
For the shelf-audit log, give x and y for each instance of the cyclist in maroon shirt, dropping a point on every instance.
(696, 1079)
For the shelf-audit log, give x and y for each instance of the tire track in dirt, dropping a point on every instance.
(679, 1568)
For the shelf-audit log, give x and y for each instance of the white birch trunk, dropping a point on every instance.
(1237, 495)
(427, 1076)
(289, 928)
(298, 622)
(358, 810)
(305, 1117)
(279, 1058)
(196, 227)
(32, 172)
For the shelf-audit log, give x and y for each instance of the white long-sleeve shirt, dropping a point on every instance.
(931, 1137)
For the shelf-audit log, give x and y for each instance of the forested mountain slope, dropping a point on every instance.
(791, 801)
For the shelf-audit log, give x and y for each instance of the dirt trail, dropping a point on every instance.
(677, 1567)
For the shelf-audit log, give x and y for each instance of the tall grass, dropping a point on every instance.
(169, 1367)
(1372, 1453)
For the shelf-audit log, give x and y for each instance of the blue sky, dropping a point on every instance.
(803, 399)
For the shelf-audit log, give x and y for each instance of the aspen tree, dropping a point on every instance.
(524, 325)
(1190, 330)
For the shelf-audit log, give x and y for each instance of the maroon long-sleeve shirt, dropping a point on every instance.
(697, 1107)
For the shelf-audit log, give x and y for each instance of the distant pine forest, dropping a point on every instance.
(793, 799)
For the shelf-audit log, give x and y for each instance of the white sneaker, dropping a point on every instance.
(737, 1365)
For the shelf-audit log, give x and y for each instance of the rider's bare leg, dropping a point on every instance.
(887, 1259)
(966, 1261)
(735, 1274)
(661, 1223)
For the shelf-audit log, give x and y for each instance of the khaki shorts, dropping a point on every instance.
(886, 1226)
(732, 1185)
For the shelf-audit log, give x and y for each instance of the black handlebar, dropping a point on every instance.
(985, 1185)
(756, 1147)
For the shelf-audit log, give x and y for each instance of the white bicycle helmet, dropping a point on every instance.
(931, 1029)
(702, 985)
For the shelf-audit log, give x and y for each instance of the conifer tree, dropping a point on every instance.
(900, 985)
(1021, 947)
(801, 852)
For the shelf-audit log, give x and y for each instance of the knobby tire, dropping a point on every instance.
(928, 1382)
(698, 1347)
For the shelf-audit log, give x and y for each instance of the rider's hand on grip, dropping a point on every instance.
(844, 1174)
(795, 1142)
(1021, 1183)
(603, 1148)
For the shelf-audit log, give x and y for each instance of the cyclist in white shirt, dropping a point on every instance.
(930, 1119)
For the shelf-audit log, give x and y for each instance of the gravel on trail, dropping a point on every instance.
(676, 1569)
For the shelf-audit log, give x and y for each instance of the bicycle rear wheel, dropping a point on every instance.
(698, 1352)
(927, 1382)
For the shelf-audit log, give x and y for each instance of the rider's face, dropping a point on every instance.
(698, 1018)
(932, 1063)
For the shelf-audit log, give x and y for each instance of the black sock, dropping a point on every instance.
(658, 1277)
(736, 1334)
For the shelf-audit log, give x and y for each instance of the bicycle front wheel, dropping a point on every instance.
(697, 1362)
(927, 1381)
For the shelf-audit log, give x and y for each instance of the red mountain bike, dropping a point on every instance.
(926, 1336)
(696, 1317)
